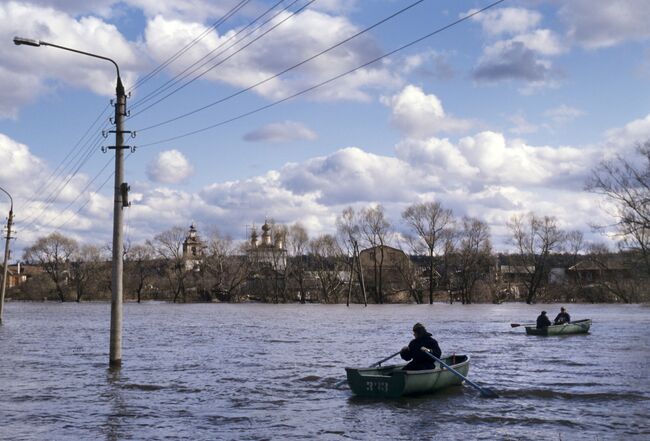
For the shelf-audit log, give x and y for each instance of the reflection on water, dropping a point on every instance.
(117, 408)
(254, 372)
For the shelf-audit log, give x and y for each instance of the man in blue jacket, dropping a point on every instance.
(420, 360)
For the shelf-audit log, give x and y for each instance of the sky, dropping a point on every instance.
(246, 110)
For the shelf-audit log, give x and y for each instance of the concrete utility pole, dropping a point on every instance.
(120, 201)
(4, 271)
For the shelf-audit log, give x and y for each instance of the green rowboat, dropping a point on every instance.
(577, 327)
(392, 382)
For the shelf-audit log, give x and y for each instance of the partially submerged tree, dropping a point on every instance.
(87, 266)
(348, 229)
(474, 254)
(375, 229)
(625, 183)
(535, 239)
(225, 266)
(168, 246)
(53, 254)
(139, 267)
(297, 242)
(431, 225)
(326, 255)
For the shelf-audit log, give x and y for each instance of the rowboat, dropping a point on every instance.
(392, 382)
(577, 327)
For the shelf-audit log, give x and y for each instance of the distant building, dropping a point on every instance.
(193, 250)
(269, 251)
(18, 273)
(397, 278)
(599, 271)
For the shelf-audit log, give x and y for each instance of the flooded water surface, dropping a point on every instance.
(258, 372)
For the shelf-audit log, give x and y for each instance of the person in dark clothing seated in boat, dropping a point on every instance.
(562, 317)
(418, 359)
(543, 321)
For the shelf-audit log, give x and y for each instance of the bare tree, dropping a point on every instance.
(327, 253)
(575, 243)
(297, 242)
(535, 239)
(53, 254)
(225, 266)
(140, 266)
(349, 232)
(474, 253)
(87, 263)
(375, 229)
(168, 246)
(431, 224)
(626, 184)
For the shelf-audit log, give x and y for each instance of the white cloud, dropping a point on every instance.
(625, 138)
(417, 114)
(611, 23)
(278, 51)
(563, 114)
(170, 167)
(196, 10)
(485, 175)
(23, 165)
(25, 69)
(286, 131)
(507, 20)
(347, 176)
(429, 64)
(542, 41)
(522, 125)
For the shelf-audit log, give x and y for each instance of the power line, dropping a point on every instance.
(259, 83)
(57, 190)
(63, 165)
(191, 44)
(47, 224)
(231, 55)
(309, 89)
(170, 83)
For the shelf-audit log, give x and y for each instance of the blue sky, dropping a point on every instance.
(502, 114)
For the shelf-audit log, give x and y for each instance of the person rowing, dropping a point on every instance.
(562, 318)
(418, 360)
(543, 321)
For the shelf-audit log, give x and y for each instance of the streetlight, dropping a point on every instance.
(115, 353)
(4, 271)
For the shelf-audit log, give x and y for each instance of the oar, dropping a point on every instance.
(371, 366)
(514, 325)
(485, 392)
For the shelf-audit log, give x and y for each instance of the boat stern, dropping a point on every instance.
(376, 382)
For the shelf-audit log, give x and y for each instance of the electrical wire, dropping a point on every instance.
(182, 75)
(191, 44)
(231, 55)
(307, 60)
(330, 80)
(63, 164)
(86, 154)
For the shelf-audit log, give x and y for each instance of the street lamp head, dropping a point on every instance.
(26, 41)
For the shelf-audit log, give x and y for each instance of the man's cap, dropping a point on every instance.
(419, 327)
(543, 312)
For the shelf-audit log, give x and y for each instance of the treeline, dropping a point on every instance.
(449, 258)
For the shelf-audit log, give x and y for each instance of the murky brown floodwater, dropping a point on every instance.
(256, 372)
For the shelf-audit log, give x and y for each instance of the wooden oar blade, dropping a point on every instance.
(514, 325)
(488, 393)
